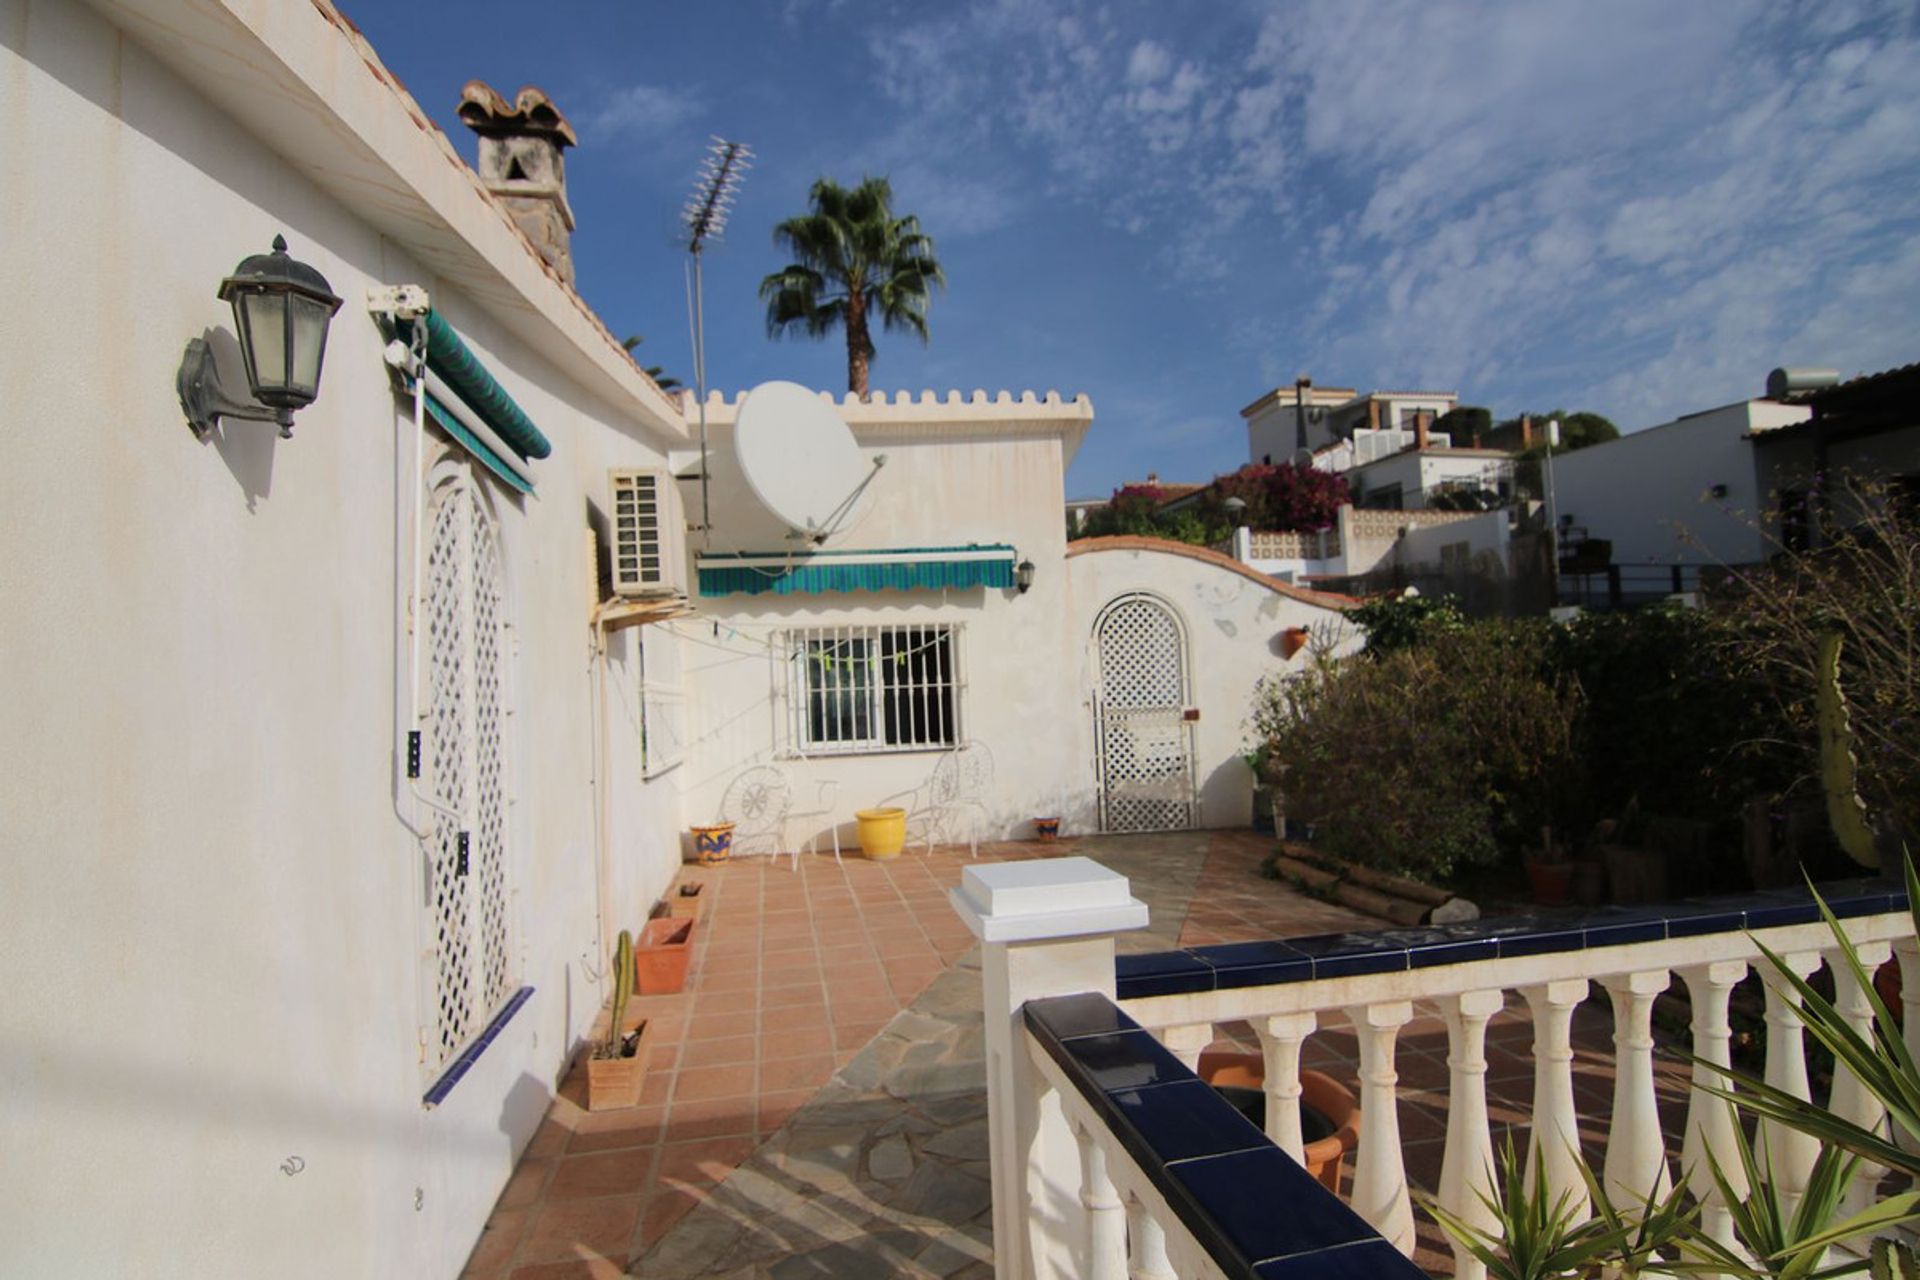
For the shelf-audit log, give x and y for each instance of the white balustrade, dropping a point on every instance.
(1466, 1170)
(1280, 1040)
(1106, 1215)
(1710, 1118)
(1379, 1166)
(1850, 1099)
(1554, 1152)
(1188, 1042)
(1146, 1244)
(1790, 1153)
(1636, 1163)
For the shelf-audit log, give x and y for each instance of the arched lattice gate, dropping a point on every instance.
(1143, 741)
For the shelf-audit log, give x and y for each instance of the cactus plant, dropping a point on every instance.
(615, 1045)
(1839, 770)
(1894, 1260)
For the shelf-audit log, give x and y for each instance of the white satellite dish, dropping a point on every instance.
(800, 460)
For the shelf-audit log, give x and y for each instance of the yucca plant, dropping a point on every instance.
(1534, 1235)
(1650, 1235)
(1785, 1242)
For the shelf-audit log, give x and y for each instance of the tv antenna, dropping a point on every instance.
(705, 218)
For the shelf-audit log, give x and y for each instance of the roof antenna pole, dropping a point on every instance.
(705, 216)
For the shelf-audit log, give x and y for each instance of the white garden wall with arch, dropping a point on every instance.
(1235, 625)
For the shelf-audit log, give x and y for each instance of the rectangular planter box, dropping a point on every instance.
(660, 959)
(686, 900)
(616, 1082)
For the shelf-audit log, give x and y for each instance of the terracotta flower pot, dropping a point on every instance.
(661, 956)
(1550, 880)
(686, 899)
(1319, 1094)
(1046, 828)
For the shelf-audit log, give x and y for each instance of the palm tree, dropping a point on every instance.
(665, 381)
(852, 260)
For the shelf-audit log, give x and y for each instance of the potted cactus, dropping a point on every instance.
(619, 1062)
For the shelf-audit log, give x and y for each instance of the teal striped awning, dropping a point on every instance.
(462, 377)
(829, 572)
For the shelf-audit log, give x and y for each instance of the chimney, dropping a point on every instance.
(521, 165)
(1153, 477)
(1526, 433)
(1420, 420)
(1373, 413)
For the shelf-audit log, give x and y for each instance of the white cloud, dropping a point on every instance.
(642, 109)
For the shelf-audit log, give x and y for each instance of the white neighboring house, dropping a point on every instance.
(1689, 492)
(255, 1025)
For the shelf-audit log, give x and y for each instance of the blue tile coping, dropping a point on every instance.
(452, 1076)
(1223, 1178)
(1333, 955)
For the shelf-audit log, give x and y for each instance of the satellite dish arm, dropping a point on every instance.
(830, 525)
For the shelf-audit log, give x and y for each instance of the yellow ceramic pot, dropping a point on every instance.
(883, 832)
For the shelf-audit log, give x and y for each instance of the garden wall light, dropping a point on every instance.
(281, 310)
(1023, 575)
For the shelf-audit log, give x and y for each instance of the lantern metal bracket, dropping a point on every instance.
(205, 401)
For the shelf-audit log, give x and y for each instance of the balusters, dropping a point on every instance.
(1710, 1120)
(1188, 1042)
(1147, 1244)
(1280, 1038)
(1380, 1171)
(1555, 1150)
(1792, 1153)
(1466, 1171)
(1106, 1215)
(1908, 952)
(1636, 1164)
(1850, 1099)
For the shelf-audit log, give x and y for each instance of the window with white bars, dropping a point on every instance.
(472, 970)
(663, 703)
(858, 689)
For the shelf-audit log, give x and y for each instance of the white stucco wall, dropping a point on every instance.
(1649, 491)
(212, 921)
(1233, 627)
(1489, 532)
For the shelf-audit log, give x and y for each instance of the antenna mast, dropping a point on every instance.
(705, 216)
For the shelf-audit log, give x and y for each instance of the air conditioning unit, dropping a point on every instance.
(649, 534)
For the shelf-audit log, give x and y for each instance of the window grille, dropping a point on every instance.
(858, 689)
(469, 942)
(663, 704)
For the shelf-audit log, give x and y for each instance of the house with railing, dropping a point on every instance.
(1111, 1158)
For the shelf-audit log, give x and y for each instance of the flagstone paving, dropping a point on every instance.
(816, 1103)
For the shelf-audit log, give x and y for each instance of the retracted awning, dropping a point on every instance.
(469, 403)
(827, 572)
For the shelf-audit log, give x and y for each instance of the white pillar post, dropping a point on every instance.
(1379, 1168)
(1466, 1171)
(1188, 1042)
(1636, 1163)
(1046, 929)
(1146, 1244)
(1710, 1120)
(1555, 1148)
(1106, 1216)
(1280, 1039)
(1851, 1099)
(1791, 1152)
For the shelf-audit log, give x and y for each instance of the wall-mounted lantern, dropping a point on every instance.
(1023, 575)
(281, 309)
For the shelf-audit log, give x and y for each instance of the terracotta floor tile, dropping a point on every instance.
(864, 1009)
(720, 1053)
(810, 995)
(603, 1226)
(707, 1083)
(856, 1035)
(498, 1240)
(528, 1183)
(732, 980)
(715, 1026)
(775, 1021)
(796, 1073)
(800, 1042)
(708, 1161)
(657, 1088)
(665, 1208)
(595, 1268)
(718, 1118)
(725, 1001)
(611, 1130)
(603, 1173)
(550, 1139)
(797, 972)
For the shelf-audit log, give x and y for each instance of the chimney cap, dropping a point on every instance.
(484, 111)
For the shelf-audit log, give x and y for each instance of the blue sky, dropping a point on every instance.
(1636, 207)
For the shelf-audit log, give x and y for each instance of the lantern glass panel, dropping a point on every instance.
(309, 317)
(263, 337)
